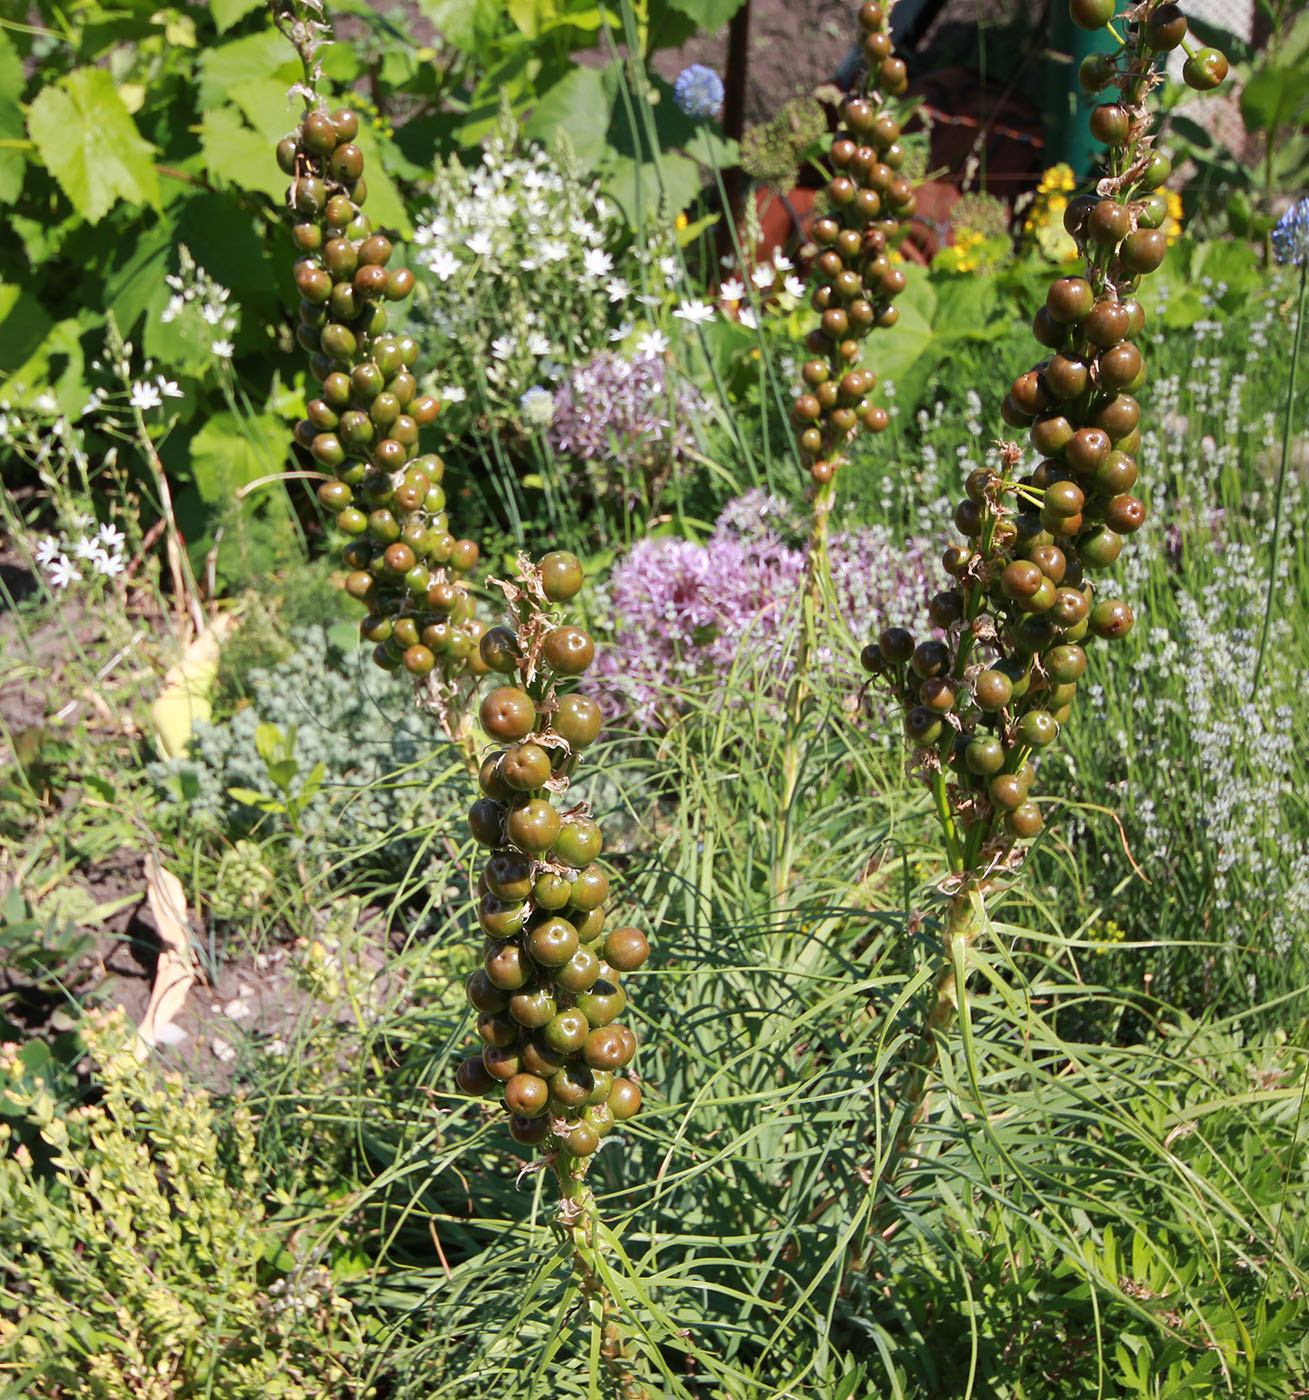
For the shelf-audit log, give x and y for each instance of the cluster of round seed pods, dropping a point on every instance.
(1021, 588)
(387, 495)
(855, 281)
(549, 992)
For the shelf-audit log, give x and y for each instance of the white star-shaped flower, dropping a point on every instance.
(61, 572)
(694, 313)
(443, 263)
(597, 263)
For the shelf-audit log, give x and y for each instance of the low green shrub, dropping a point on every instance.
(138, 1263)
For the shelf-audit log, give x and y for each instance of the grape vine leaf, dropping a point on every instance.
(231, 451)
(13, 160)
(90, 144)
(239, 156)
(227, 12)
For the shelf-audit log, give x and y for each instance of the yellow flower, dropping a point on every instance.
(681, 221)
(1108, 934)
(1173, 223)
(1057, 204)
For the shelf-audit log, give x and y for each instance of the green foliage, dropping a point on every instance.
(1274, 107)
(89, 143)
(137, 1258)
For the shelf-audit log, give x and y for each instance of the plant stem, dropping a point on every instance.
(798, 692)
(960, 931)
(1281, 482)
(577, 1221)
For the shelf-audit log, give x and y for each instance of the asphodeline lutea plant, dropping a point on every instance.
(386, 494)
(853, 284)
(988, 694)
(549, 991)
(983, 701)
(854, 279)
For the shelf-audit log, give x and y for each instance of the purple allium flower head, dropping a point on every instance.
(688, 617)
(1291, 235)
(626, 421)
(698, 92)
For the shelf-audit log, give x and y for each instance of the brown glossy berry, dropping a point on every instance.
(507, 713)
(473, 1078)
(1144, 250)
(1165, 28)
(533, 826)
(568, 651)
(626, 949)
(624, 1099)
(1108, 223)
(525, 767)
(1069, 300)
(1111, 619)
(1110, 123)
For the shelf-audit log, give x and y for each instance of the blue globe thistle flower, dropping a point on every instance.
(698, 92)
(1291, 236)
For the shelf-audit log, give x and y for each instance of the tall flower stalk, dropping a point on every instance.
(982, 702)
(854, 286)
(549, 991)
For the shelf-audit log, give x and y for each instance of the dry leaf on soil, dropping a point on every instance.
(176, 969)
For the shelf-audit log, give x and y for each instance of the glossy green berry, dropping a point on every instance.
(1091, 14)
(1204, 70)
(561, 575)
(579, 842)
(533, 826)
(577, 720)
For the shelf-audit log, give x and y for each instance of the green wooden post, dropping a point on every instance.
(1067, 137)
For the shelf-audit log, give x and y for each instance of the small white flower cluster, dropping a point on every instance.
(82, 554)
(733, 294)
(516, 247)
(194, 290)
